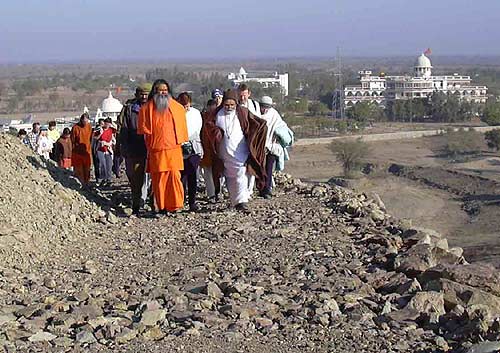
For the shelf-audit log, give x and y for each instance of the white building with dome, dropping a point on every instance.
(276, 79)
(110, 108)
(381, 88)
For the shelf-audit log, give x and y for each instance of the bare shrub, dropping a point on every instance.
(351, 154)
(462, 143)
(493, 139)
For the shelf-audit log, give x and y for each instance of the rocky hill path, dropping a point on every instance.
(315, 269)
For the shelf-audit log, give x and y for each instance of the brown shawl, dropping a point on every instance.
(254, 130)
(63, 148)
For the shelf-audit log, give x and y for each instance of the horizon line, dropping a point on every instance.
(223, 60)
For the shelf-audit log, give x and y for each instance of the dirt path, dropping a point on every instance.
(388, 136)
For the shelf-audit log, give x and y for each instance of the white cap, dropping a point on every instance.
(266, 100)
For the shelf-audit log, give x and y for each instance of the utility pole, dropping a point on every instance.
(338, 111)
(410, 101)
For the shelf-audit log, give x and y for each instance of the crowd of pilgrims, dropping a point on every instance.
(169, 147)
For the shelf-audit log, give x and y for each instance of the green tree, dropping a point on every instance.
(28, 87)
(365, 111)
(417, 109)
(437, 102)
(317, 108)
(13, 104)
(296, 105)
(452, 108)
(341, 126)
(493, 139)
(491, 115)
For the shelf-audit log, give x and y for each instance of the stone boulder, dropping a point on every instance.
(428, 303)
(482, 276)
(455, 294)
(421, 257)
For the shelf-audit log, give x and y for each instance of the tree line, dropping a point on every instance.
(439, 107)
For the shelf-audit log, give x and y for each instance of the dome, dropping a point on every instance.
(242, 71)
(423, 61)
(111, 105)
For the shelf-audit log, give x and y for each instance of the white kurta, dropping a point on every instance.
(194, 123)
(44, 146)
(234, 153)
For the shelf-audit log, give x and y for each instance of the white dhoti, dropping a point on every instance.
(236, 182)
(251, 184)
(146, 187)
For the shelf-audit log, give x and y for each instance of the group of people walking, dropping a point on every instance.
(235, 142)
(76, 148)
(49, 143)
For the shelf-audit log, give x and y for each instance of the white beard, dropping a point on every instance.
(161, 102)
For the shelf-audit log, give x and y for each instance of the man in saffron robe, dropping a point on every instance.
(162, 121)
(81, 158)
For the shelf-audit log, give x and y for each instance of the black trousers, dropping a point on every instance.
(189, 177)
(95, 161)
(117, 162)
(270, 162)
(135, 167)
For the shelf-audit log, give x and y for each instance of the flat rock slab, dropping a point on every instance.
(485, 347)
(7, 318)
(42, 337)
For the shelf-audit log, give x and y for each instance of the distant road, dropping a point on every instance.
(401, 135)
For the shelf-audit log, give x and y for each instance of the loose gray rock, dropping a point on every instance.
(42, 337)
(153, 317)
(85, 337)
(7, 318)
(125, 336)
(485, 347)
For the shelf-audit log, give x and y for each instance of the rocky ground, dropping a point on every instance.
(459, 200)
(316, 269)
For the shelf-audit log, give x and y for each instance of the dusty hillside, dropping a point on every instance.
(38, 213)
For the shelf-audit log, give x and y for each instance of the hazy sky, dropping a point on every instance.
(72, 30)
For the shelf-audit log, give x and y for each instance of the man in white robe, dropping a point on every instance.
(234, 153)
(192, 150)
(274, 149)
(238, 139)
